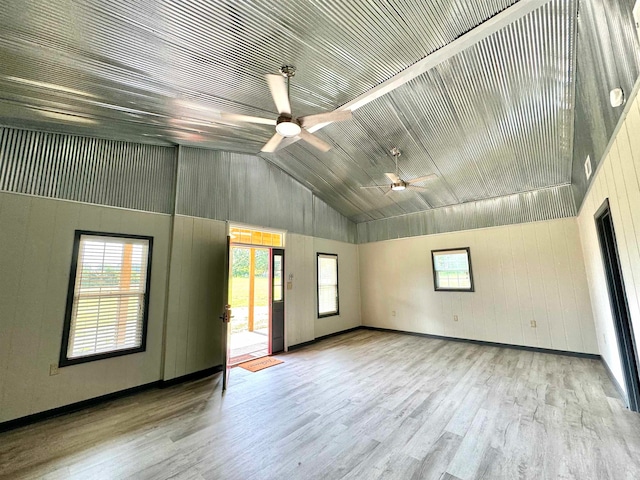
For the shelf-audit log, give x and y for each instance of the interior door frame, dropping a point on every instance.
(619, 306)
(226, 315)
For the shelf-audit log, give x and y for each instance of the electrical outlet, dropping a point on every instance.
(533, 324)
(393, 313)
(455, 318)
(289, 285)
(53, 369)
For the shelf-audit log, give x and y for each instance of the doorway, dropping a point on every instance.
(619, 305)
(256, 294)
(249, 293)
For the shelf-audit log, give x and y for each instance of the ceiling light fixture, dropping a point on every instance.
(398, 187)
(616, 97)
(287, 128)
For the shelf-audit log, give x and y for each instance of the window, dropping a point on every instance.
(277, 277)
(108, 299)
(327, 285)
(250, 236)
(452, 270)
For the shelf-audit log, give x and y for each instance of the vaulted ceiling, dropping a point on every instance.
(492, 117)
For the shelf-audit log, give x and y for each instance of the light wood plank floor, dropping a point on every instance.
(363, 405)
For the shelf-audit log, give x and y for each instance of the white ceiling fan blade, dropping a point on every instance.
(280, 94)
(236, 117)
(273, 143)
(393, 177)
(416, 188)
(422, 179)
(287, 141)
(315, 141)
(335, 116)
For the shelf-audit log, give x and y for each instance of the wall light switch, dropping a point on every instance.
(53, 369)
(534, 324)
(455, 318)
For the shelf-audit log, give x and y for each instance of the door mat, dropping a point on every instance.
(260, 363)
(240, 359)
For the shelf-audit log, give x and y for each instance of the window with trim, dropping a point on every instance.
(108, 298)
(328, 303)
(452, 270)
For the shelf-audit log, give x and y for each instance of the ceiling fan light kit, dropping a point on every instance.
(287, 128)
(290, 127)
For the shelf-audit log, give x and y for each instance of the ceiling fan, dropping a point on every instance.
(287, 126)
(397, 184)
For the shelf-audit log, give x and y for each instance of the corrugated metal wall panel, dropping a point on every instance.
(608, 57)
(328, 223)
(547, 204)
(105, 172)
(249, 189)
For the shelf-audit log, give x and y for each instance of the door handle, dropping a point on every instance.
(226, 314)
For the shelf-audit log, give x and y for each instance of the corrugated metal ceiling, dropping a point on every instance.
(494, 120)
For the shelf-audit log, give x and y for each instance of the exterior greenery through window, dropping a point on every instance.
(108, 299)
(452, 270)
(328, 302)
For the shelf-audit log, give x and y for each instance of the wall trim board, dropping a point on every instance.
(298, 346)
(207, 372)
(591, 356)
(616, 384)
(92, 402)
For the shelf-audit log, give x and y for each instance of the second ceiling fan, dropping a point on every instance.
(397, 184)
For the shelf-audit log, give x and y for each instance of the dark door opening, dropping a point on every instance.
(619, 305)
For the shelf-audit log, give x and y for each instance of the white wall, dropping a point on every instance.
(524, 272)
(194, 329)
(36, 243)
(348, 285)
(617, 179)
(299, 301)
(301, 311)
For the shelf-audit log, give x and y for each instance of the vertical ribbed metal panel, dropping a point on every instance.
(91, 170)
(546, 204)
(203, 183)
(608, 57)
(248, 189)
(328, 223)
